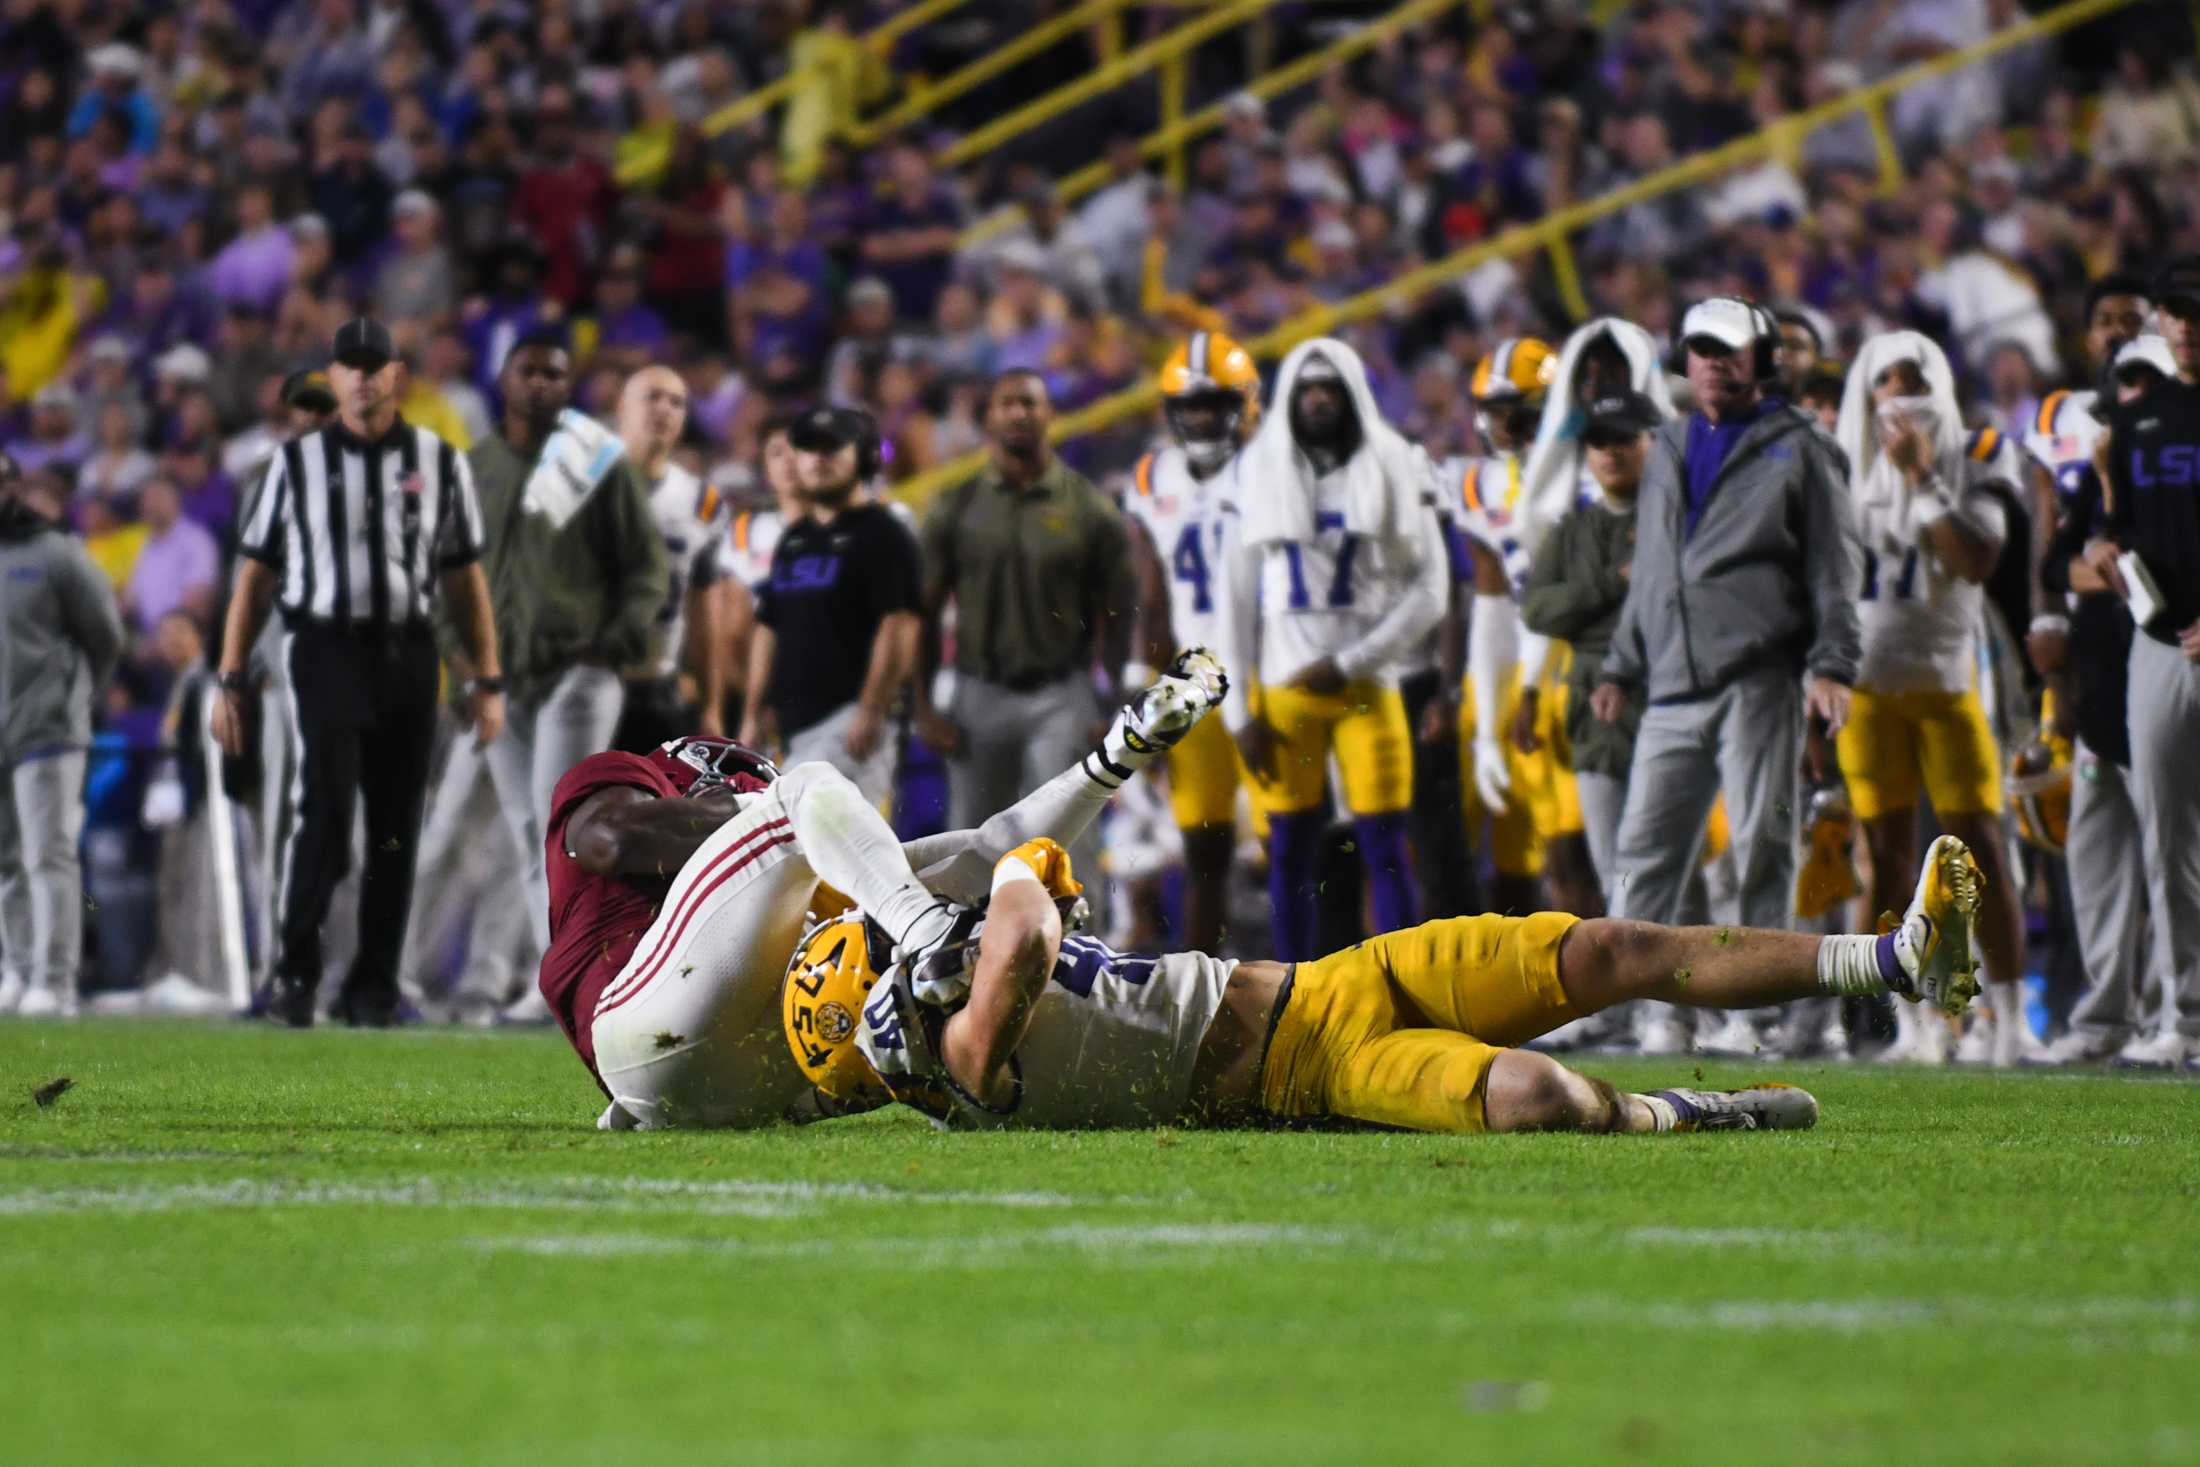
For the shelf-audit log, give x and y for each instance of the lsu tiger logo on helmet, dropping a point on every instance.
(1520, 369)
(821, 1003)
(2039, 791)
(1210, 391)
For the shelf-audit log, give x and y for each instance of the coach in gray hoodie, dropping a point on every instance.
(59, 638)
(1740, 619)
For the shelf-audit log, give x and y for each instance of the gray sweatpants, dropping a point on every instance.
(470, 875)
(1603, 800)
(41, 873)
(2108, 896)
(1015, 742)
(827, 741)
(2163, 706)
(543, 737)
(1743, 739)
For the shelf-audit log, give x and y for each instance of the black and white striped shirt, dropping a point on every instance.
(359, 531)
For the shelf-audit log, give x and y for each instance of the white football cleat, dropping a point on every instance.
(1192, 687)
(2164, 1051)
(43, 1002)
(1767, 1107)
(2078, 1048)
(12, 988)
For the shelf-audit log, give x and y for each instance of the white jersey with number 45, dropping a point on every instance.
(1112, 1043)
(1177, 510)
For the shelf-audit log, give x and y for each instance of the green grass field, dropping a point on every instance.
(229, 1245)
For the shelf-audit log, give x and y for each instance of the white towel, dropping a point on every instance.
(1551, 474)
(1386, 477)
(1883, 499)
(579, 455)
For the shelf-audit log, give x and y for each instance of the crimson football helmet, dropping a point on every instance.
(698, 764)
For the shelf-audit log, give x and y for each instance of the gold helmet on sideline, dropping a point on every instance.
(2039, 789)
(821, 1003)
(1210, 373)
(1518, 369)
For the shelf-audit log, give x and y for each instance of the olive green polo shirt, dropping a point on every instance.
(1036, 573)
(588, 592)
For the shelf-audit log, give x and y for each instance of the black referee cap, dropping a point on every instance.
(364, 343)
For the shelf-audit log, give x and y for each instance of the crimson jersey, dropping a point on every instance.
(595, 921)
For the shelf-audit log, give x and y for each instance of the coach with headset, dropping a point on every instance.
(1740, 620)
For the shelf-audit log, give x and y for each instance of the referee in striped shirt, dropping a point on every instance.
(349, 534)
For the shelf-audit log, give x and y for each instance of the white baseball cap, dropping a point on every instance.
(1735, 324)
(2149, 350)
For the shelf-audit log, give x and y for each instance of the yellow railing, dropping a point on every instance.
(925, 95)
(1178, 128)
(1167, 49)
(1550, 232)
(878, 41)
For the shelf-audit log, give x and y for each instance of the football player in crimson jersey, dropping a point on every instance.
(1022, 1026)
(680, 881)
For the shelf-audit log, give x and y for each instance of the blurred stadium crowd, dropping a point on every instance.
(196, 194)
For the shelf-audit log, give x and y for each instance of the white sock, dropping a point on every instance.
(1849, 964)
(2006, 1000)
(852, 849)
(1662, 1114)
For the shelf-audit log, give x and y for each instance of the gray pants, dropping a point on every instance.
(2163, 706)
(1603, 798)
(1015, 742)
(2108, 895)
(41, 873)
(1743, 739)
(827, 741)
(543, 737)
(471, 875)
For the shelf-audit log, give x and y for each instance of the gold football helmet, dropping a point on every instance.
(1519, 370)
(1827, 872)
(1210, 391)
(821, 1003)
(2039, 789)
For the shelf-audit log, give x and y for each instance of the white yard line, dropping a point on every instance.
(1857, 1316)
(731, 1197)
(1163, 1245)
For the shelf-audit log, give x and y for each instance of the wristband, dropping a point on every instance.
(234, 682)
(2050, 621)
(478, 685)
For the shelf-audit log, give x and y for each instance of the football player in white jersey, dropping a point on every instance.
(1334, 573)
(1210, 394)
(691, 516)
(1932, 531)
(1022, 1026)
(1527, 800)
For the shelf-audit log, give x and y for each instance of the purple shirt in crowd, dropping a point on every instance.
(174, 563)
